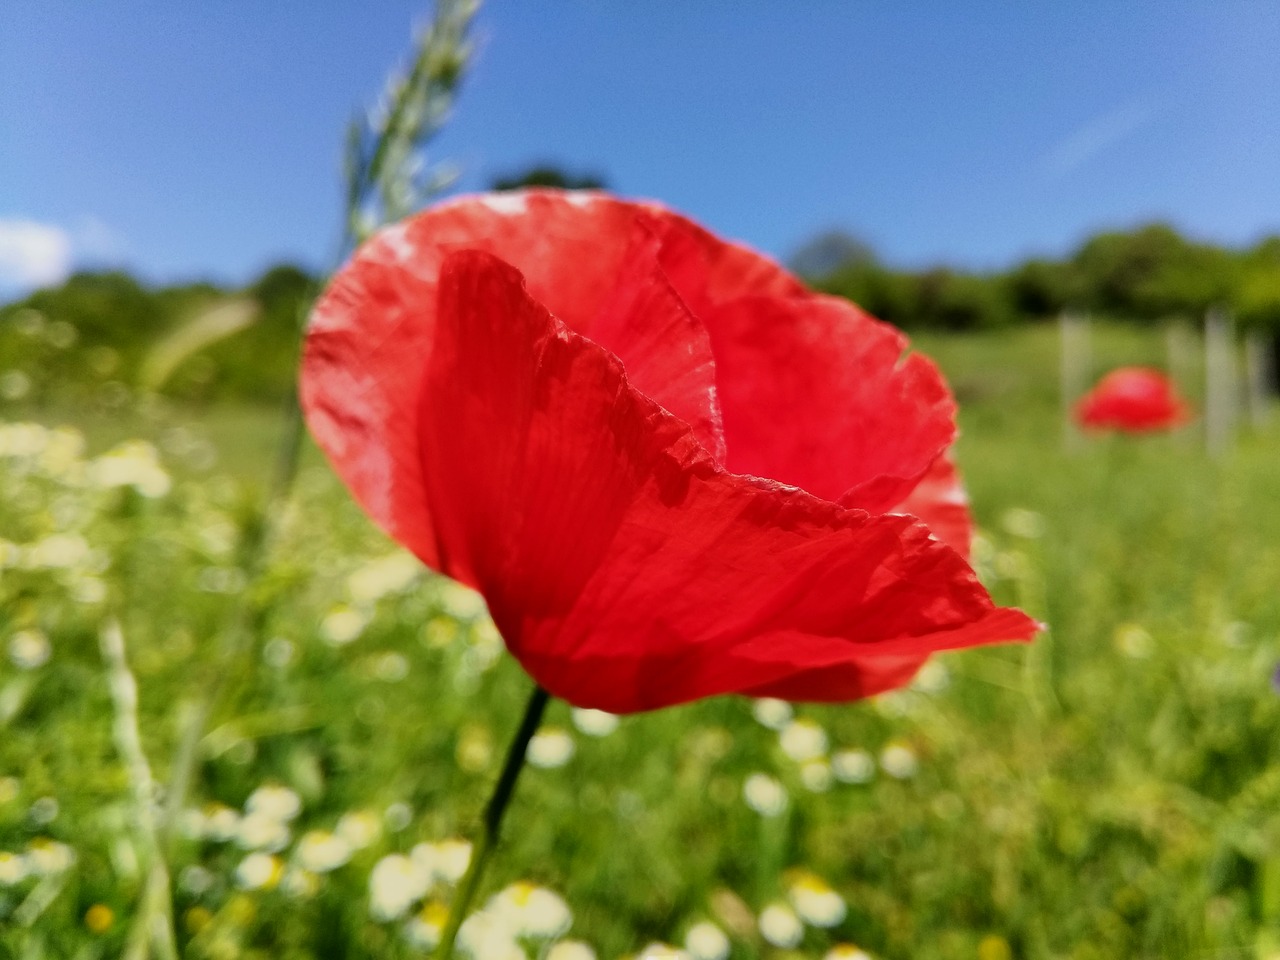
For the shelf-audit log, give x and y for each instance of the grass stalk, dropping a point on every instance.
(154, 923)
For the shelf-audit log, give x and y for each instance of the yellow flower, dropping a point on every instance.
(99, 918)
(994, 947)
(196, 919)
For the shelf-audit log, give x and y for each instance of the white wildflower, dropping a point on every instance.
(46, 857)
(58, 551)
(359, 829)
(391, 667)
(706, 941)
(134, 463)
(258, 871)
(571, 950)
(594, 723)
(1023, 523)
(899, 761)
(662, 951)
(396, 883)
(765, 795)
(320, 852)
(816, 775)
(460, 602)
(934, 677)
(342, 625)
(550, 747)
(424, 928)
(846, 951)
(803, 740)
(62, 452)
(300, 883)
(29, 649)
(390, 574)
(772, 713)
(853, 766)
(532, 911)
(221, 823)
(815, 902)
(22, 439)
(488, 936)
(89, 590)
(14, 384)
(13, 868)
(452, 857)
(780, 926)
(275, 801)
(261, 831)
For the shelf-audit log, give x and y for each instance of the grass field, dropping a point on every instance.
(1107, 792)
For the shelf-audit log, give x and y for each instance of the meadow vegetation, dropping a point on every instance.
(1108, 791)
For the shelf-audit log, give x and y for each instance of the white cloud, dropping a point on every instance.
(33, 254)
(1097, 136)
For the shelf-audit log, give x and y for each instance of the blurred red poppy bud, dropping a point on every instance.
(1134, 400)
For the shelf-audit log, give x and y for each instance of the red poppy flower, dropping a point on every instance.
(1133, 399)
(572, 403)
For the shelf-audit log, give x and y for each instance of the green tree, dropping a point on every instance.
(548, 175)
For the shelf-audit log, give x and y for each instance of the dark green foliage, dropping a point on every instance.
(1258, 300)
(86, 341)
(548, 175)
(1148, 274)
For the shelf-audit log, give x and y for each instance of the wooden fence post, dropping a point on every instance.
(1221, 397)
(1259, 377)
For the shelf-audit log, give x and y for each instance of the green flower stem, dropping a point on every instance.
(492, 823)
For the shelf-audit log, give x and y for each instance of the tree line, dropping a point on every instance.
(98, 329)
(1148, 274)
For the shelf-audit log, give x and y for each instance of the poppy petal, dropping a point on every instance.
(372, 332)
(666, 350)
(360, 394)
(586, 513)
(815, 392)
(939, 502)
(709, 271)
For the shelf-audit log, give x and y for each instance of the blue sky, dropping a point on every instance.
(202, 139)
